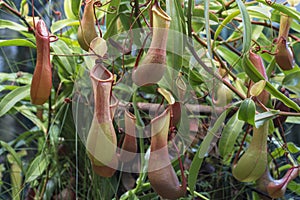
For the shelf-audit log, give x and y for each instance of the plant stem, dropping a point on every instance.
(140, 125)
(189, 20)
(198, 194)
(270, 26)
(198, 39)
(18, 14)
(214, 74)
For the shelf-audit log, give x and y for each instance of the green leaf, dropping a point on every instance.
(199, 12)
(110, 17)
(17, 42)
(254, 75)
(12, 25)
(32, 117)
(261, 118)
(111, 28)
(202, 150)
(294, 187)
(13, 153)
(12, 98)
(259, 12)
(67, 65)
(207, 30)
(292, 147)
(19, 77)
(36, 168)
(175, 36)
(292, 82)
(282, 8)
(257, 88)
(225, 22)
(247, 111)
(68, 9)
(247, 32)
(76, 7)
(167, 95)
(195, 78)
(233, 59)
(229, 135)
(58, 25)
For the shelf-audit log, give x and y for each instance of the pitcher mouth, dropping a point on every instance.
(160, 12)
(101, 74)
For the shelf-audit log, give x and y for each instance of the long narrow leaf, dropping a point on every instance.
(282, 8)
(229, 135)
(110, 17)
(202, 150)
(12, 98)
(17, 42)
(254, 75)
(247, 32)
(36, 168)
(224, 22)
(13, 153)
(12, 25)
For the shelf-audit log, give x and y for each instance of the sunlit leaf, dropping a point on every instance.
(293, 147)
(261, 118)
(167, 95)
(12, 25)
(247, 32)
(17, 42)
(36, 168)
(225, 22)
(12, 98)
(19, 77)
(68, 9)
(58, 25)
(282, 8)
(257, 88)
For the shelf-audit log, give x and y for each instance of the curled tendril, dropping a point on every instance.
(132, 3)
(98, 4)
(257, 47)
(270, 2)
(53, 38)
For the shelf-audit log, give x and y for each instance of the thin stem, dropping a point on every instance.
(198, 194)
(198, 39)
(140, 124)
(41, 196)
(189, 20)
(270, 26)
(214, 74)
(241, 146)
(18, 14)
